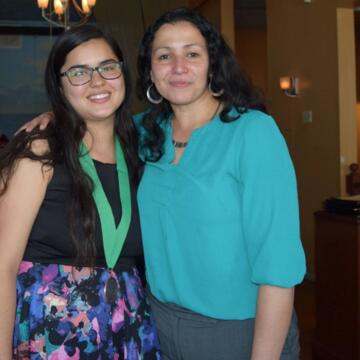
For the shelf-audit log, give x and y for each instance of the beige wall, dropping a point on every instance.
(221, 14)
(227, 21)
(357, 52)
(303, 40)
(211, 10)
(347, 92)
(358, 128)
(251, 51)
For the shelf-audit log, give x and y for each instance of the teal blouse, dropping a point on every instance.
(224, 220)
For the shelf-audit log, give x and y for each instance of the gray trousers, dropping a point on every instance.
(185, 335)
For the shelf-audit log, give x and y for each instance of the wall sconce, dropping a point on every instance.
(290, 85)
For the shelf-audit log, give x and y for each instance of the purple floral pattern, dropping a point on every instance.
(62, 313)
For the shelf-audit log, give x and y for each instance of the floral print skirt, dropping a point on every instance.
(66, 312)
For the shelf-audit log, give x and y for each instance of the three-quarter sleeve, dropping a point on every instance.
(270, 213)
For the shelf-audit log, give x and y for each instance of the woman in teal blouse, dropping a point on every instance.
(218, 201)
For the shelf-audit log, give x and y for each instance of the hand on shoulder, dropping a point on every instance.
(41, 121)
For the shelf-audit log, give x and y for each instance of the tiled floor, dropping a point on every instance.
(305, 307)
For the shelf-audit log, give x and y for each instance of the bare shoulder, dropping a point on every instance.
(26, 168)
(28, 171)
(20, 202)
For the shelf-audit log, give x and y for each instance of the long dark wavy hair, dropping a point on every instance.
(224, 71)
(65, 134)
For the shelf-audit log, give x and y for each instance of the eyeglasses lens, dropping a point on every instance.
(110, 71)
(83, 75)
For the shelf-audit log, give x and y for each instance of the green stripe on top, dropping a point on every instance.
(113, 237)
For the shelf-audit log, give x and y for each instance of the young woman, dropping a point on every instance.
(69, 226)
(218, 202)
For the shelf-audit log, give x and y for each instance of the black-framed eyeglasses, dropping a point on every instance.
(82, 74)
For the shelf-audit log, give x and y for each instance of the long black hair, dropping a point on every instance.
(224, 71)
(65, 134)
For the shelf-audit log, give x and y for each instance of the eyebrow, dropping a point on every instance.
(171, 47)
(100, 63)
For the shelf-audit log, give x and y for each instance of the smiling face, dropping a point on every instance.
(180, 64)
(98, 99)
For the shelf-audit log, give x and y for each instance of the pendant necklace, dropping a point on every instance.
(180, 144)
(113, 237)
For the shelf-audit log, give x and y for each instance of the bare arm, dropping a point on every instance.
(273, 315)
(42, 121)
(18, 209)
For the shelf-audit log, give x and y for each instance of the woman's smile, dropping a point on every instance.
(100, 98)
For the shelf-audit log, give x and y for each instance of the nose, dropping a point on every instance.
(179, 65)
(96, 79)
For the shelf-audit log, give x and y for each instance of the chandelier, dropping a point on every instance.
(57, 12)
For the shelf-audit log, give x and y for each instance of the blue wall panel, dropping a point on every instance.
(22, 90)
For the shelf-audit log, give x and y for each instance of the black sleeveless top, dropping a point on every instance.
(49, 241)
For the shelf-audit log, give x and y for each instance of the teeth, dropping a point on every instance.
(98, 96)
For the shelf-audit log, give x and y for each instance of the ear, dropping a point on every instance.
(151, 76)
